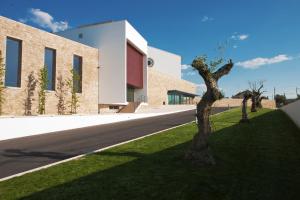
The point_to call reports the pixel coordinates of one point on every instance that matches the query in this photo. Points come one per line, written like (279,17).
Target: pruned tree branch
(225,69)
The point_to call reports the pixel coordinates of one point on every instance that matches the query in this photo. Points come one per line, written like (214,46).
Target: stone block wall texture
(238,102)
(159,84)
(293,111)
(34,42)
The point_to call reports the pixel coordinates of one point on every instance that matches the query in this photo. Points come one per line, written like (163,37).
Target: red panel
(134,67)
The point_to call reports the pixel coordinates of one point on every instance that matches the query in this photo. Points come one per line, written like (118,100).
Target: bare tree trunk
(253,105)
(244,108)
(199,152)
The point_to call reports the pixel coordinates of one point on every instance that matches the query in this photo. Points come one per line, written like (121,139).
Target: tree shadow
(41,154)
(251,164)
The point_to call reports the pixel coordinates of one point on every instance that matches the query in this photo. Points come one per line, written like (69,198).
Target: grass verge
(259,160)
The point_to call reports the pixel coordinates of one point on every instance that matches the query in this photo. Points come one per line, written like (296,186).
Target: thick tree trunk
(253,105)
(199,152)
(244,111)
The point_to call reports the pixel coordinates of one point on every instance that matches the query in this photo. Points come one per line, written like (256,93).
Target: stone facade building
(26,47)
(116,67)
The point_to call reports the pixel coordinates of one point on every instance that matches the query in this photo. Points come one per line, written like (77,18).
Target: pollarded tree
(2,86)
(256,89)
(247,95)
(199,151)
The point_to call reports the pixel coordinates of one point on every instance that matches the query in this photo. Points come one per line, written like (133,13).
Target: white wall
(110,39)
(293,111)
(165,62)
(134,38)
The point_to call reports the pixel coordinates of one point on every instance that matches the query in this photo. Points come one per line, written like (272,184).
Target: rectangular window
(50,64)
(77,67)
(13,62)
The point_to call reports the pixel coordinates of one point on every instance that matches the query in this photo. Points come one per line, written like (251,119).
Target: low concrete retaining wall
(293,111)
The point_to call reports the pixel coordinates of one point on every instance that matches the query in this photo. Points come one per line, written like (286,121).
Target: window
(77,67)
(50,64)
(13,62)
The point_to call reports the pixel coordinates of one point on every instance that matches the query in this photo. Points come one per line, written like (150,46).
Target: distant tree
(2,85)
(199,151)
(43,83)
(71,83)
(60,93)
(256,89)
(247,96)
(280,100)
(30,88)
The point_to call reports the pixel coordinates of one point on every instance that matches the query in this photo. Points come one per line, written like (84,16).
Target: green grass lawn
(259,160)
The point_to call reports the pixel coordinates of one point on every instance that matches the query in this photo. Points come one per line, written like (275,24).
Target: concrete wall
(134,38)
(34,42)
(159,84)
(165,62)
(111,39)
(293,111)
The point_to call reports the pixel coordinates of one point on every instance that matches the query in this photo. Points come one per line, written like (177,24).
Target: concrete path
(22,154)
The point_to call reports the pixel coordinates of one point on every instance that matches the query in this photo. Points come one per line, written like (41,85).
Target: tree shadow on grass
(252,163)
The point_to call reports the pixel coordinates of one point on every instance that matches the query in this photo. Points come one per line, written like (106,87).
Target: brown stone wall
(34,42)
(159,84)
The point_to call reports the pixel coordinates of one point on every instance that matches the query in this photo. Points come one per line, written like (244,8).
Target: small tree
(2,85)
(247,96)
(30,88)
(60,93)
(280,100)
(256,88)
(73,83)
(199,151)
(43,83)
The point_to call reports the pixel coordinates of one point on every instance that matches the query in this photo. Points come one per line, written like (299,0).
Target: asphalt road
(22,154)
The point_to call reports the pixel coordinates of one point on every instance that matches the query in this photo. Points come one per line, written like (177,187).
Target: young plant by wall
(2,74)
(71,83)
(30,88)
(60,93)
(43,82)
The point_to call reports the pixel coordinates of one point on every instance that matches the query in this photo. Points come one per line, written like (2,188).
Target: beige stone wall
(34,42)
(238,102)
(159,84)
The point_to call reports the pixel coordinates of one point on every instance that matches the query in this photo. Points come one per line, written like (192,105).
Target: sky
(262,37)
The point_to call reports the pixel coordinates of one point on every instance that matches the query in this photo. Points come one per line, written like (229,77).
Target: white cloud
(257,62)
(45,20)
(206,18)
(185,67)
(241,37)
(191,73)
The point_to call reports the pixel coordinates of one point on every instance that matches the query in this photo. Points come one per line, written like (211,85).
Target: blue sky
(261,36)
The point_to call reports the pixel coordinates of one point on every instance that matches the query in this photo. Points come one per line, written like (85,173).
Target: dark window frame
(79,89)
(19,74)
(53,86)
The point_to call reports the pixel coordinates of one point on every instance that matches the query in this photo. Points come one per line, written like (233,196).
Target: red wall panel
(134,67)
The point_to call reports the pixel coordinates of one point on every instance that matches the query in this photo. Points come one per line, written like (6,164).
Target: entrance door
(130,94)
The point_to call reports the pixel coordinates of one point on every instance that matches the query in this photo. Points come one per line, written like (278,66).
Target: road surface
(22,154)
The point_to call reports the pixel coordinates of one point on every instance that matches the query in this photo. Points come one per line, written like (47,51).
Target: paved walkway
(19,155)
